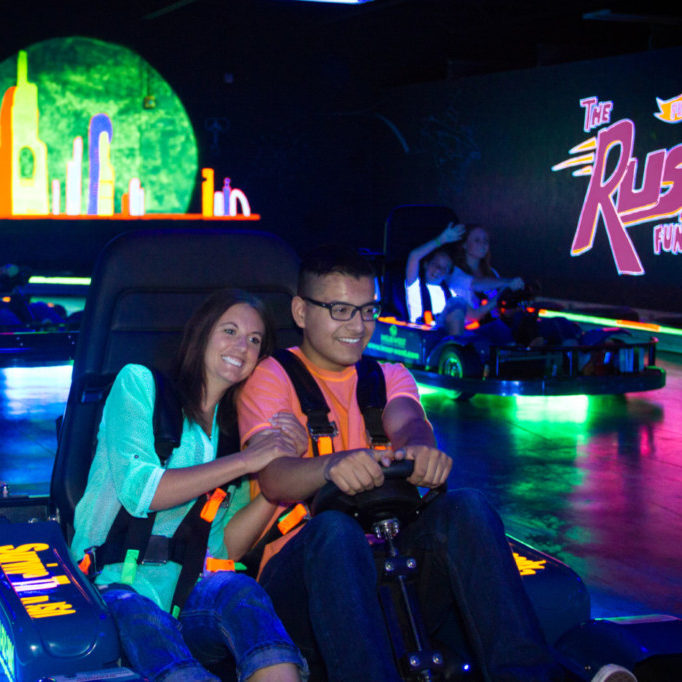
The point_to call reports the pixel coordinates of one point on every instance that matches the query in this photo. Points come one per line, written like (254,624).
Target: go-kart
(32,330)
(53,623)
(519,353)
(648,645)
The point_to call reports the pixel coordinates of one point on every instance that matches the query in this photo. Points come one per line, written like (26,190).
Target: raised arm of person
(450,234)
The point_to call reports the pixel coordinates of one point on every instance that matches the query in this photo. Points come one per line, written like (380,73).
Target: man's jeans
(323,586)
(227,615)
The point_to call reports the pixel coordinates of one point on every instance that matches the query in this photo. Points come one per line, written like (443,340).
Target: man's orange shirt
(269,391)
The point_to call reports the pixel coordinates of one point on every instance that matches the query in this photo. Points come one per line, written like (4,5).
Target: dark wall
(325,158)
(486,146)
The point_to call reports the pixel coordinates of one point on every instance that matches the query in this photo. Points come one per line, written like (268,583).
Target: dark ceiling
(383,43)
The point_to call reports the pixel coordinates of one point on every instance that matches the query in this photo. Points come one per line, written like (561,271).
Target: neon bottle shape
(207,186)
(30,194)
(99,124)
(105,192)
(6,152)
(74,178)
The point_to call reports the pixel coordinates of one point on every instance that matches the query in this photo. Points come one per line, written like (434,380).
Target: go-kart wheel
(396,498)
(458,362)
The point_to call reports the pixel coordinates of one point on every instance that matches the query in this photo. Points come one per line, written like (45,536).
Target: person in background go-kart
(428,268)
(477,287)
(227,615)
(475,284)
(321,575)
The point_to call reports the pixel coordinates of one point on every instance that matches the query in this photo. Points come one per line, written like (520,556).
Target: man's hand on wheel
(355,471)
(431,465)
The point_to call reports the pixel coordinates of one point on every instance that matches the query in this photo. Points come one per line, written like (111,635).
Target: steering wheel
(396,498)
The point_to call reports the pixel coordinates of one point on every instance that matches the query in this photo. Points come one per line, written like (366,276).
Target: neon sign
(32,581)
(87,129)
(612,194)
(670,109)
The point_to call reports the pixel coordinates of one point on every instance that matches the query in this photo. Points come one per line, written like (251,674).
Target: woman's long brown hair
(190,372)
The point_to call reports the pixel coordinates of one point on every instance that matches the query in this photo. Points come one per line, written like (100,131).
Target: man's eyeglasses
(342,312)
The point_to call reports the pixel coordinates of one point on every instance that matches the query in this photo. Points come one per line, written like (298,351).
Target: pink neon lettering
(587,104)
(669,202)
(677,248)
(599,199)
(606,111)
(668,237)
(596,112)
(648,195)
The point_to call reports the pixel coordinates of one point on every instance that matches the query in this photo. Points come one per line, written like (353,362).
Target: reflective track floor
(596,482)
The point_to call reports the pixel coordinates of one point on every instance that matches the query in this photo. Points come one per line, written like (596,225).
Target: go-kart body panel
(30,348)
(610,366)
(52,620)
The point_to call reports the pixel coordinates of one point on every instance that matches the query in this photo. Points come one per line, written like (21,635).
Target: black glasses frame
(373,309)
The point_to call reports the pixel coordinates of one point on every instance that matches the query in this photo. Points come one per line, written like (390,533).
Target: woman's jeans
(227,615)
(323,584)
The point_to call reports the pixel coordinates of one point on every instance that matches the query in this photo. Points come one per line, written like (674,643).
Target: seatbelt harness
(427,307)
(371,397)
(313,404)
(130,540)
(370,394)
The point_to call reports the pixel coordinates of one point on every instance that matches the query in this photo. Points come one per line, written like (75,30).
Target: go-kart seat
(144,287)
(405,228)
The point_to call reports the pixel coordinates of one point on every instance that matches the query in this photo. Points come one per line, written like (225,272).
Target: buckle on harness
(290,520)
(214,565)
(88,563)
(321,433)
(210,509)
(158,550)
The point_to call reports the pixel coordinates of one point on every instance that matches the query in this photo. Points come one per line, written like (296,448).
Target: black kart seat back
(407,227)
(144,287)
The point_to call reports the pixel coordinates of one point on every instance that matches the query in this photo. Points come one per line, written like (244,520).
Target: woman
(475,284)
(226,614)
(426,272)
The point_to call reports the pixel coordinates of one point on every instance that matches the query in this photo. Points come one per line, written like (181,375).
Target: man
(322,579)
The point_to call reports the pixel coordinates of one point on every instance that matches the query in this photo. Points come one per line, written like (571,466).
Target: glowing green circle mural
(151,137)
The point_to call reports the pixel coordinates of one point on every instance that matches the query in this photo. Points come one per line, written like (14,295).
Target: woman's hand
(515,284)
(266,446)
(451,233)
(287,423)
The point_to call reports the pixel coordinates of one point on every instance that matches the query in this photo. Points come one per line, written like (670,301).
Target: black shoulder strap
(371,396)
(313,404)
(167,417)
(425,297)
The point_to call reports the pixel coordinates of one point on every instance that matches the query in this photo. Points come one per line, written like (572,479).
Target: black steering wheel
(396,498)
